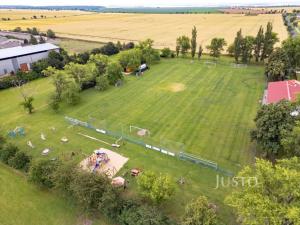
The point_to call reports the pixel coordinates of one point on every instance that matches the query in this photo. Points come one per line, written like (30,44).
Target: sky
(148,3)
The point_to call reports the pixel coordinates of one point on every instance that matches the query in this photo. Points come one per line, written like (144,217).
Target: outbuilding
(21,58)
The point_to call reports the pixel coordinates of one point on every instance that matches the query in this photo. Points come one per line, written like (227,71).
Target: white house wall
(6,65)
(28,59)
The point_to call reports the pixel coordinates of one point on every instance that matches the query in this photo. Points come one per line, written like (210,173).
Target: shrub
(89,189)
(72,94)
(64,176)
(156,187)
(8,152)
(21,161)
(41,173)
(109,49)
(102,83)
(166,53)
(54,101)
(135,214)
(50,34)
(114,73)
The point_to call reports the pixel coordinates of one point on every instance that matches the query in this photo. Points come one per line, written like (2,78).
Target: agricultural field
(76,46)
(20,14)
(210,109)
(162,28)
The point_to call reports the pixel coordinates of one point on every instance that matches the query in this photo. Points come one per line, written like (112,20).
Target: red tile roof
(280,90)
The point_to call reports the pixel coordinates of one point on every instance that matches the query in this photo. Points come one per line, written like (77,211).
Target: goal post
(138,131)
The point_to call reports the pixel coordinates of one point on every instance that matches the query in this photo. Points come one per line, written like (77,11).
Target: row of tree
(259,47)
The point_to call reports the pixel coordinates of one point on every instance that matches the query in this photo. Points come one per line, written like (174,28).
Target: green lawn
(77,46)
(23,203)
(209,109)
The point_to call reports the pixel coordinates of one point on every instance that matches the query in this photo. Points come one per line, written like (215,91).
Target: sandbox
(114,163)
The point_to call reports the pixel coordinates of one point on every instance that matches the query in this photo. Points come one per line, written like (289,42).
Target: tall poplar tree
(258,44)
(194,42)
(237,50)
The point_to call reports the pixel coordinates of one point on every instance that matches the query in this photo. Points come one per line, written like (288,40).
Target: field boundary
(181,155)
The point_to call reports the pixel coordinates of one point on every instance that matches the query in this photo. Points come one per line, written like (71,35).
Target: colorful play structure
(18,131)
(98,159)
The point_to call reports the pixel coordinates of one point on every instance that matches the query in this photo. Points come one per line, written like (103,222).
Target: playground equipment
(29,143)
(46,151)
(64,140)
(18,131)
(43,137)
(98,159)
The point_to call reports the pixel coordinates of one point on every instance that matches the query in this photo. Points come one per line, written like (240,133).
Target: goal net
(138,131)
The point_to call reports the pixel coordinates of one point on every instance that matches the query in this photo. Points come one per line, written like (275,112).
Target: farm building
(21,58)
(280,90)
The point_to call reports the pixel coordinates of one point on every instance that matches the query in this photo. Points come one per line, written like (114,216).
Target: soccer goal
(210,63)
(239,65)
(141,132)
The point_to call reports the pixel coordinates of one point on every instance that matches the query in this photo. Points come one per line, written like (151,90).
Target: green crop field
(209,109)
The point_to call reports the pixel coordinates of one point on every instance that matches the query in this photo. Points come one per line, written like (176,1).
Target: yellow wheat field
(162,28)
(19,14)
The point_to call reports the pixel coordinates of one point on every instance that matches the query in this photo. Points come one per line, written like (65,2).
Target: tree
(33,40)
(149,55)
(200,51)
(269,41)
(114,73)
(278,65)
(158,188)
(216,46)
(102,83)
(177,47)
(41,40)
(258,43)
(135,214)
(274,199)
(292,49)
(58,79)
(101,62)
(71,93)
(131,59)
(273,122)
(237,45)
(80,74)
(50,33)
(20,161)
(184,43)
(56,60)
(89,189)
(247,48)
(194,42)
(291,143)
(28,104)
(200,212)
(54,102)
(109,49)
(166,52)
(7,152)
(41,173)
(40,66)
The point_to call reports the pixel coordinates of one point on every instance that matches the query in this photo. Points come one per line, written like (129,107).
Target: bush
(102,83)
(109,49)
(114,73)
(8,151)
(166,53)
(64,176)
(21,161)
(42,172)
(54,101)
(158,188)
(135,214)
(50,34)
(89,189)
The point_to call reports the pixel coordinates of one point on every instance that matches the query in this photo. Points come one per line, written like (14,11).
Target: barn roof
(280,90)
(27,50)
